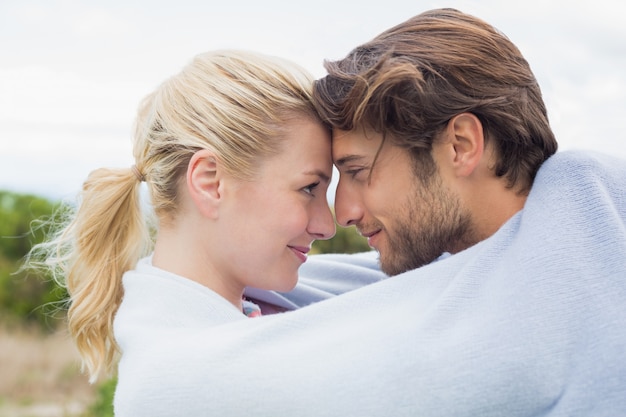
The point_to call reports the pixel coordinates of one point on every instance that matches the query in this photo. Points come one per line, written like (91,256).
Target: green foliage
(103,405)
(24,295)
(346,240)
(17,212)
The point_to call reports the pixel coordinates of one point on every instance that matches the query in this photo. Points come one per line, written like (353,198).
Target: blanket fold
(530,322)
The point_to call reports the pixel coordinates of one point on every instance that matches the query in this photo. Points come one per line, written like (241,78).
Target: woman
(237,165)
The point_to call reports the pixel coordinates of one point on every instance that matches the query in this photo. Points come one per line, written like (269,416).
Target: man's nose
(348,206)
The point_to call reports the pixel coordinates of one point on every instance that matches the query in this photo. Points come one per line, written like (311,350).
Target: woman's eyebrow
(317,172)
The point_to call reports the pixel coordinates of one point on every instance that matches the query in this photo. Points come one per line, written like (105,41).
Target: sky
(73,72)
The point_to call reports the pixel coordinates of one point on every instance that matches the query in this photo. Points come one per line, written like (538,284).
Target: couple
(508,258)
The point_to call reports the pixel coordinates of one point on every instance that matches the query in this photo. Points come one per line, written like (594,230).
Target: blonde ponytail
(105,236)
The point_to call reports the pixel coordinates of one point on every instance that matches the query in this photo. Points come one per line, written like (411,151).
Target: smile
(300,252)
(371,237)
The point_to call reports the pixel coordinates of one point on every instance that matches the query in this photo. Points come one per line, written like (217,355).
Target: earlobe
(468,142)
(204,182)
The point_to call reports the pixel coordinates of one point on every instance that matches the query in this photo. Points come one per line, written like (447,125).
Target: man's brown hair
(409,81)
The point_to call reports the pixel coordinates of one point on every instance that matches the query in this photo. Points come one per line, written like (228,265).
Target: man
(509,259)
(439,130)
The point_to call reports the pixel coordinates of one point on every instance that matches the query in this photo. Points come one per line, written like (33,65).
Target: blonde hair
(232,102)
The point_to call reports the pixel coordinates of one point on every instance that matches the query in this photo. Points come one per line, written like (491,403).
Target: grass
(41,375)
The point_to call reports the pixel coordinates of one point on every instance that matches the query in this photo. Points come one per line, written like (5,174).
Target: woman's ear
(468,143)
(204,182)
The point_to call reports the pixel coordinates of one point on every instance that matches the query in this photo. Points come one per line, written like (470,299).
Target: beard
(431,222)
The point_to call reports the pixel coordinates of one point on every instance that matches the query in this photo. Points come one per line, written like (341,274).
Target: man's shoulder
(575,160)
(576,169)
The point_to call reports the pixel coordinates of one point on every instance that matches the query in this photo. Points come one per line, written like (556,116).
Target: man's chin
(389,267)
(396,266)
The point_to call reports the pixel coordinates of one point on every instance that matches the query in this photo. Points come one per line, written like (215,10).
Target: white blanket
(530,322)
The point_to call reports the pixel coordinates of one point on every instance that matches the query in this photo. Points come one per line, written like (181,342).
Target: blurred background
(72,73)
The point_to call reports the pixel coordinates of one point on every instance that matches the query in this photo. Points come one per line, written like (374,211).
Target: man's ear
(204,182)
(468,143)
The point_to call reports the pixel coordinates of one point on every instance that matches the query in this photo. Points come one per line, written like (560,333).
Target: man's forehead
(353,144)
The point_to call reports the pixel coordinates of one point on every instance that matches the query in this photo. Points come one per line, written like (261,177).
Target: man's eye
(354,172)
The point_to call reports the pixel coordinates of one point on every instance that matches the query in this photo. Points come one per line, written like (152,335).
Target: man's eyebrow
(347,159)
(324,176)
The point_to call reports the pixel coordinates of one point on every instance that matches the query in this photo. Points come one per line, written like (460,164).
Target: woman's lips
(300,252)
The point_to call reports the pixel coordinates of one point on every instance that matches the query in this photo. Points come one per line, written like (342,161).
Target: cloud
(73,72)
(38,94)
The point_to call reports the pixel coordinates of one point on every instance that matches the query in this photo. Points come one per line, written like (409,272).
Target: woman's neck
(179,254)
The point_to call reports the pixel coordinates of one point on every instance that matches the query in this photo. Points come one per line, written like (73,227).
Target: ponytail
(104,236)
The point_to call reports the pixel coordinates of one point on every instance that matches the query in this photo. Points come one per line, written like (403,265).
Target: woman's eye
(310,188)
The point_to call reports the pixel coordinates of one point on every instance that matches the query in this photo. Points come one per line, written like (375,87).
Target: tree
(25,295)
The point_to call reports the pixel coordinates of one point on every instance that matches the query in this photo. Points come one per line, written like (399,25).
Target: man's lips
(300,251)
(371,236)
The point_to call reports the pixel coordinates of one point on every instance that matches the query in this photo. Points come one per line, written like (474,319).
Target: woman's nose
(322,224)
